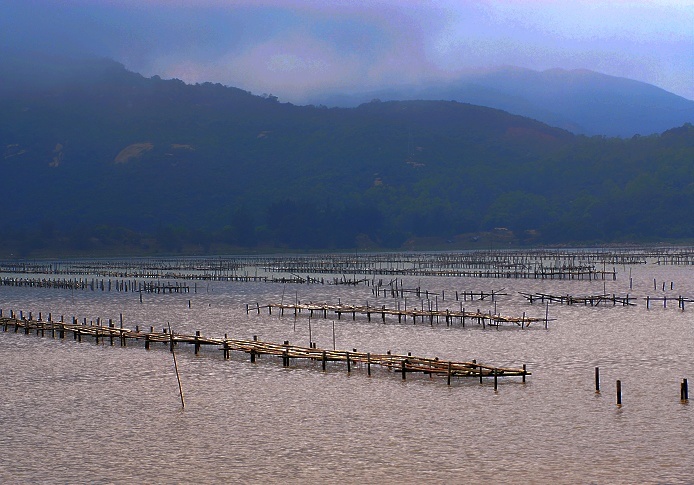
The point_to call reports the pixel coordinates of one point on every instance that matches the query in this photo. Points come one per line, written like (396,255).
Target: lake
(80,412)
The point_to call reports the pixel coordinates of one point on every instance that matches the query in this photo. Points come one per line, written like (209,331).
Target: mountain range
(581,101)
(97,158)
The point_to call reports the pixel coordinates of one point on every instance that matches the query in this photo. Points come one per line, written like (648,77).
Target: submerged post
(597,379)
(619,392)
(226,347)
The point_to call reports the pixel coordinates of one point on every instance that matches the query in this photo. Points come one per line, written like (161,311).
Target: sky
(297,48)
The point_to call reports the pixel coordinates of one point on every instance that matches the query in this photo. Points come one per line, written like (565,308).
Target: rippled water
(80,412)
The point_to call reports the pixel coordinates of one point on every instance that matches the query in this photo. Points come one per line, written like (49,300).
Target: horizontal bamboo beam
(404,363)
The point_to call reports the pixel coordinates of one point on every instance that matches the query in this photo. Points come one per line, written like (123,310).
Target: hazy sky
(292,47)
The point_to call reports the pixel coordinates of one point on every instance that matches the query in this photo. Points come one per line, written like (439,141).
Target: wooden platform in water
(403,364)
(424,315)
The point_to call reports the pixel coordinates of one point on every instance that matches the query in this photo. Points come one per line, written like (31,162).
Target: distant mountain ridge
(581,101)
(95,157)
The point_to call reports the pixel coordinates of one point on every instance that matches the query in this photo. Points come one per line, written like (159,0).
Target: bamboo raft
(402,364)
(430,314)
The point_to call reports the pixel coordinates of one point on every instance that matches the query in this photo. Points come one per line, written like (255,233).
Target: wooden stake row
(593,300)
(424,315)
(684,388)
(402,364)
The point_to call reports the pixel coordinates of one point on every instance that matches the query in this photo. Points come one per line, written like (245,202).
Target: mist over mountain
(581,101)
(97,158)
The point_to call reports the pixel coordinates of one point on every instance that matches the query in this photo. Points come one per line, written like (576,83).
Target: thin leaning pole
(178,377)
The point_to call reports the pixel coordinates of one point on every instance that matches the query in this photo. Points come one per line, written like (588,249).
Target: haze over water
(80,412)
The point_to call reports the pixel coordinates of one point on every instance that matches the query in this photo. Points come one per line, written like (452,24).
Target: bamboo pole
(178,377)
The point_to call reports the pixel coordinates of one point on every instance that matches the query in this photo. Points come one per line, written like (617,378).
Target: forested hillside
(102,159)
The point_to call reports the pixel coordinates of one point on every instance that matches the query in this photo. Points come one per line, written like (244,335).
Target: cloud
(318,52)
(647,41)
(291,65)
(294,47)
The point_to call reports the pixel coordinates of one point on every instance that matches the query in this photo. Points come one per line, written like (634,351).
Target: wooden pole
(597,379)
(684,390)
(226,352)
(197,342)
(178,377)
(619,393)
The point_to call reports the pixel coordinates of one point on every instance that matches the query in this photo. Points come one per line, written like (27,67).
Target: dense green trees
(223,169)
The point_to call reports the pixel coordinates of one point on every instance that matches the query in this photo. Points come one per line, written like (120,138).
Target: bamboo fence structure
(401,364)
(430,315)
(593,300)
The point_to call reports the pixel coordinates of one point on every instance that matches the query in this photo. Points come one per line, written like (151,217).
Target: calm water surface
(77,412)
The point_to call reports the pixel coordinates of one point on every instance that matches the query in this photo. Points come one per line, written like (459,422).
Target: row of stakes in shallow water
(403,364)
(431,314)
(256,348)
(604,299)
(684,388)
